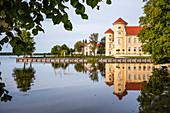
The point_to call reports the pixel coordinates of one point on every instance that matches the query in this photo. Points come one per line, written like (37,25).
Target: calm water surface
(72,88)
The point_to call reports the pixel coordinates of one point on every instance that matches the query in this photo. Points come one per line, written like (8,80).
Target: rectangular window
(139,41)
(148,76)
(135,40)
(139,68)
(119,75)
(148,68)
(110,69)
(134,49)
(110,39)
(119,33)
(134,67)
(129,67)
(129,49)
(135,77)
(129,40)
(110,45)
(139,76)
(129,76)
(143,76)
(119,41)
(110,52)
(139,49)
(144,67)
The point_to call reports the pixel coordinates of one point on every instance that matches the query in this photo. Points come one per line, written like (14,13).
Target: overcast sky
(99,21)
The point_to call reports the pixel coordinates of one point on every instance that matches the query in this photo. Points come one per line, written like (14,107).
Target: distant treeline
(6,53)
(10,53)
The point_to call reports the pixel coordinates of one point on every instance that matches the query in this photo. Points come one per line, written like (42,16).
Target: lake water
(72,88)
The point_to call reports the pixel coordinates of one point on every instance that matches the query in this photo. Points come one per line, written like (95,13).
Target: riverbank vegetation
(155,94)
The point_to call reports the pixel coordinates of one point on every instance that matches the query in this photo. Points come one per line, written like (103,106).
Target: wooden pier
(85,60)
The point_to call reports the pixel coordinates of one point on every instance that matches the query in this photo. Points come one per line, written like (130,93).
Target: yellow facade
(122,74)
(122,41)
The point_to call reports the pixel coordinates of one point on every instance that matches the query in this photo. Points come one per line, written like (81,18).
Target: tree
(3,92)
(29,14)
(64,52)
(101,47)
(24,77)
(78,46)
(155,34)
(64,47)
(29,48)
(56,50)
(93,41)
(154,87)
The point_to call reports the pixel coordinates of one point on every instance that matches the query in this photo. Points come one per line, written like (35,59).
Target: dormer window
(119,27)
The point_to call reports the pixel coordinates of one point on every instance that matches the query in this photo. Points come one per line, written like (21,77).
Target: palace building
(123,40)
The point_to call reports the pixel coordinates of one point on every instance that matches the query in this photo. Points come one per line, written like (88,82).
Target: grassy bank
(78,56)
(135,56)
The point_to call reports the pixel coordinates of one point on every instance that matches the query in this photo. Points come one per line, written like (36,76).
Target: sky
(98,21)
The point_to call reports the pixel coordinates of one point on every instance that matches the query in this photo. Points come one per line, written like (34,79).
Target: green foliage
(155,34)
(29,14)
(3,92)
(56,50)
(118,50)
(64,52)
(79,67)
(24,78)
(64,47)
(60,65)
(78,46)
(29,46)
(101,47)
(155,86)
(92,60)
(93,41)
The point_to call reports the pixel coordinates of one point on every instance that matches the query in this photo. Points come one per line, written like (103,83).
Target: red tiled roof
(85,44)
(133,30)
(98,44)
(120,20)
(120,96)
(109,31)
(109,84)
(133,86)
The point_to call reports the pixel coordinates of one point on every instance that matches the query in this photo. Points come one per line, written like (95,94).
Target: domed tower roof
(120,95)
(120,20)
(109,31)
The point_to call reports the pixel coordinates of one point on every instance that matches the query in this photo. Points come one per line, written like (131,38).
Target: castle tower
(109,42)
(119,35)
(120,81)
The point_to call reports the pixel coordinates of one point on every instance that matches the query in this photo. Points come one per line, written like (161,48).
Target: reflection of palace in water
(126,77)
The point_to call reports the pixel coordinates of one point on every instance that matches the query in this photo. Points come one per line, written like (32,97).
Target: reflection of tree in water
(93,72)
(154,87)
(79,67)
(3,92)
(101,67)
(60,65)
(24,77)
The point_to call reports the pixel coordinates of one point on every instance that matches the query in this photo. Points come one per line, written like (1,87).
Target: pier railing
(85,60)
